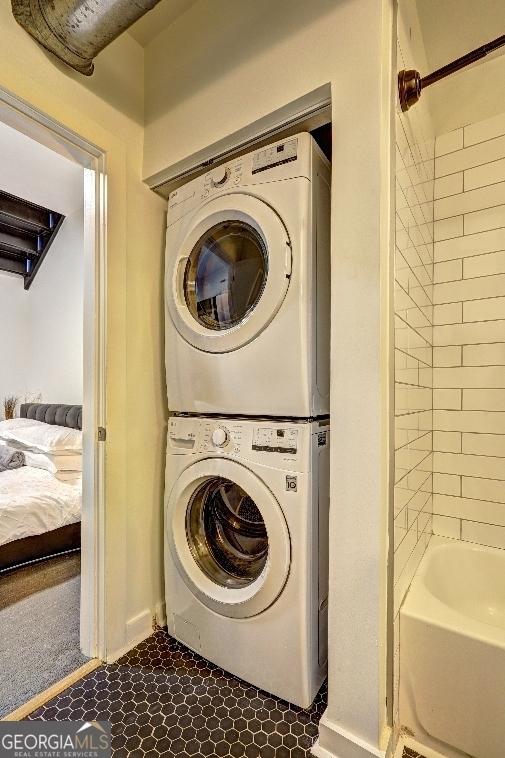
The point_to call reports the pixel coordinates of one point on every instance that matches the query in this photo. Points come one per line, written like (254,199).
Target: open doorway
(51,403)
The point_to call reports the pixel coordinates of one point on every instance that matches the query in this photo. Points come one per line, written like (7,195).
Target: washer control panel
(277,440)
(235,437)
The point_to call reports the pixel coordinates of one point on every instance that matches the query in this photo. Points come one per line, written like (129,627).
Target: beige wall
(107,110)
(469,334)
(470,95)
(219,67)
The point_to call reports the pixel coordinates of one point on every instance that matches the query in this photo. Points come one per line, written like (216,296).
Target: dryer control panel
(275,155)
(289,158)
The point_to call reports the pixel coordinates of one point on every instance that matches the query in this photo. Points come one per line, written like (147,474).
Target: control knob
(220,437)
(219,176)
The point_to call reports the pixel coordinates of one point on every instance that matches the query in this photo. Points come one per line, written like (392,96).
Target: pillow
(54,463)
(17,423)
(68,463)
(72,478)
(46,438)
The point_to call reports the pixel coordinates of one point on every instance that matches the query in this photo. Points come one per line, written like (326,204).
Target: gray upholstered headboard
(61,415)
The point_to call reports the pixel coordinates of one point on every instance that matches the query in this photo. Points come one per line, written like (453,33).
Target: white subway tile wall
(413,307)
(415,156)
(469,334)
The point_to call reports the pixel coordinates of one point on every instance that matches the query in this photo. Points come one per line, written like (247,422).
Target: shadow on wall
(157,316)
(147,399)
(108,82)
(462,99)
(224,34)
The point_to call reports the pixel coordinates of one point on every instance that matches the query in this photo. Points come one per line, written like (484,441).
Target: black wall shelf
(27,231)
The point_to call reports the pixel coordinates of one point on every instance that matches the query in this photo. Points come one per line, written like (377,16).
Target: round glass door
(228,537)
(225,275)
(226,533)
(228,271)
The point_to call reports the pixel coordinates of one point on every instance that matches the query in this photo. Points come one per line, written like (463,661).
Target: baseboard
(418,747)
(138,629)
(335,742)
(140,626)
(319,751)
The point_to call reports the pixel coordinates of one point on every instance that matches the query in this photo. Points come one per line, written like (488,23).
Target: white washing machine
(248,286)
(246,548)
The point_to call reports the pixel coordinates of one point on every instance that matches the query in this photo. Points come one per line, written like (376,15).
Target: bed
(39,515)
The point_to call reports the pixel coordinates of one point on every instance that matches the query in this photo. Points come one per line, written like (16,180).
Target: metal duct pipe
(77,30)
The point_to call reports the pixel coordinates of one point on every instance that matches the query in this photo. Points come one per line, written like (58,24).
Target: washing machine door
(228,537)
(230,274)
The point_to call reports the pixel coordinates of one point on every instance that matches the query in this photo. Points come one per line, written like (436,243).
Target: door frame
(24,118)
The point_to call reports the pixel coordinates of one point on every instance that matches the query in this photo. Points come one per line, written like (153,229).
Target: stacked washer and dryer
(247,362)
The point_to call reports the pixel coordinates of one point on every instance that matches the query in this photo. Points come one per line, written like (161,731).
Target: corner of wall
(335,742)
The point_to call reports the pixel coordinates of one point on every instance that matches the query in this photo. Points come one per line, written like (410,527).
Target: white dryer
(246,548)
(248,286)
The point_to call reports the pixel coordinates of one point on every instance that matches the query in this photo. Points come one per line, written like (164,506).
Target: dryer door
(230,275)
(228,537)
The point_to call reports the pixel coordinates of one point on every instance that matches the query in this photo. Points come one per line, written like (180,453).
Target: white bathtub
(452,650)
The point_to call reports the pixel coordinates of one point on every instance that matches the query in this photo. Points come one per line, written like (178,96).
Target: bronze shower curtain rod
(411,84)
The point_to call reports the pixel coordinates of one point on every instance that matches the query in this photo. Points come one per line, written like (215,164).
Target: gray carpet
(39,628)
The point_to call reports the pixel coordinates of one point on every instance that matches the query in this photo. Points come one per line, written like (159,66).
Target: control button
(220,176)
(220,437)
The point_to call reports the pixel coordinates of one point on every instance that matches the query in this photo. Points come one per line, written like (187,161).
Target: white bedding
(33,501)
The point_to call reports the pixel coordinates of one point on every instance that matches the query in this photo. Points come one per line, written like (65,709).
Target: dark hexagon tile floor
(164,700)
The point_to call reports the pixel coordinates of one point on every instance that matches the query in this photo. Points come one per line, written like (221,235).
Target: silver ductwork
(77,30)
